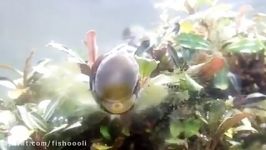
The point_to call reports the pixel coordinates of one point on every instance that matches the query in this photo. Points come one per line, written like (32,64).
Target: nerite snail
(114,77)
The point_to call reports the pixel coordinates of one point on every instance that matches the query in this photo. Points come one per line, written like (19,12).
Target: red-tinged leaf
(90,41)
(212,67)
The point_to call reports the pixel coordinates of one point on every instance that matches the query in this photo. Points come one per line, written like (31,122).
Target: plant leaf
(217,109)
(99,146)
(7,83)
(32,120)
(221,80)
(105,132)
(192,41)
(57,129)
(246,126)
(176,127)
(230,122)
(191,84)
(176,141)
(8,67)
(186,27)
(74,125)
(146,66)
(68,51)
(191,127)
(38,121)
(50,109)
(27,68)
(245,45)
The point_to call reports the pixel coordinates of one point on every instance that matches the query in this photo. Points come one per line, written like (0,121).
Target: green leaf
(245,45)
(193,41)
(176,127)
(191,127)
(146,66)
(221,80)
(191,84)
(105,132)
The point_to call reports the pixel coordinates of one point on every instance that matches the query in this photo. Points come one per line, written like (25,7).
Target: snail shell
(114,81)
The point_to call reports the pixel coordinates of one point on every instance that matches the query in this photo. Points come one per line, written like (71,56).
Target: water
(31,24)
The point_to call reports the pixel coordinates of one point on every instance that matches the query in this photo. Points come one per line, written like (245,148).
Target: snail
(114,76)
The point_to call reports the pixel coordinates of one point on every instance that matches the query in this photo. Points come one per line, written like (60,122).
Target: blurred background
(31,24)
